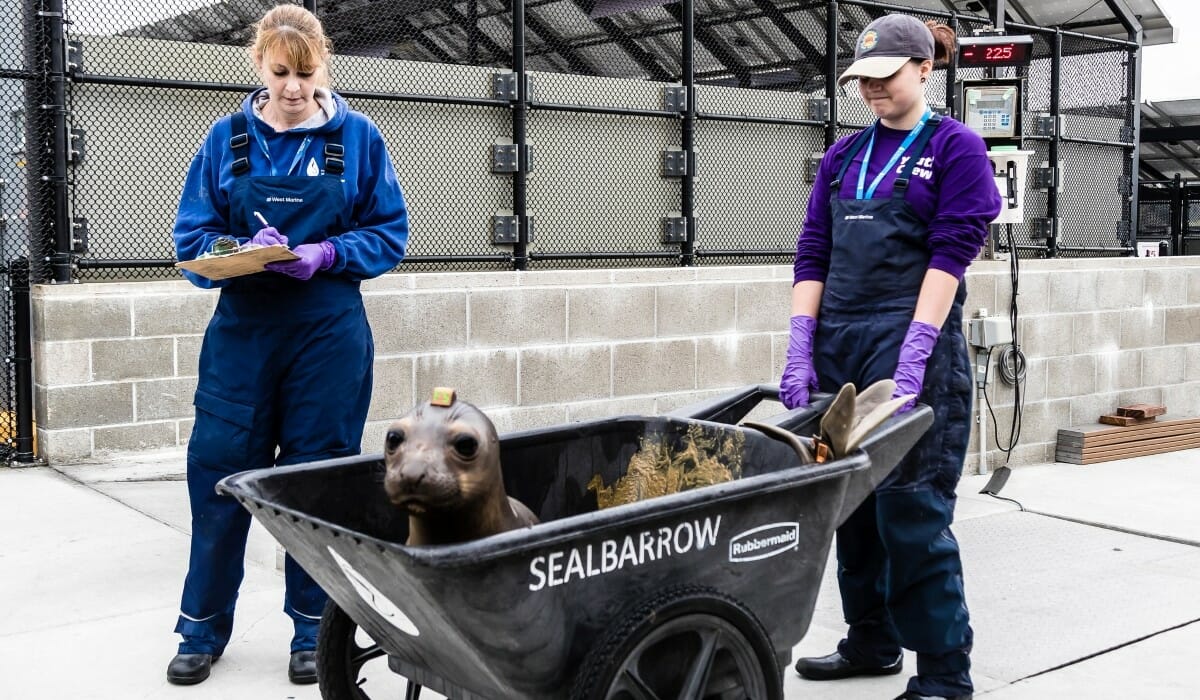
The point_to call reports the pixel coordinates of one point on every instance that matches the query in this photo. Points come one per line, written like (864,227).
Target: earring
(922,79)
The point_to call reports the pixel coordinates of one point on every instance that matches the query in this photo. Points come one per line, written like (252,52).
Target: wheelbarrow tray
(514,615)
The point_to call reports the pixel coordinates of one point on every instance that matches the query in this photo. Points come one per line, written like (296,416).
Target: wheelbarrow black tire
(675,638)
(339,656)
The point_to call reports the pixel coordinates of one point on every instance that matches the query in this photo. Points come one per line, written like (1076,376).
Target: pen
(260,217)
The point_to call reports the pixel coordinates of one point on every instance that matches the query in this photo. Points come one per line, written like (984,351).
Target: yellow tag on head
(442,396)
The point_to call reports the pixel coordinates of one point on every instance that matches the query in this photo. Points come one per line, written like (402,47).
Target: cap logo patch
(869,39)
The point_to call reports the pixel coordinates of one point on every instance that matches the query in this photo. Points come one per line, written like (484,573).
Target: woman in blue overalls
(898,212)
(286,365)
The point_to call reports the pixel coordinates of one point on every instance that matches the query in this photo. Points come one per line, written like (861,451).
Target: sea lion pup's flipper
(839,419)
(875,405)
(787,437)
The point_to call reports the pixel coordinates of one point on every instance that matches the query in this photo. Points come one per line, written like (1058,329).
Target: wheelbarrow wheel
(691,643)
(341,656)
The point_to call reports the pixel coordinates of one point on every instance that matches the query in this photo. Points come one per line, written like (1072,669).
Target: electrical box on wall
(989,332)
(1010,168)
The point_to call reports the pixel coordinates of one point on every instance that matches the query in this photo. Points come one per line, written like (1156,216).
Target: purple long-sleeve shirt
(952,190)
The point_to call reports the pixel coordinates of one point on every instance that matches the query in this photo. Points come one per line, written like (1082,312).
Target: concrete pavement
(1085,590)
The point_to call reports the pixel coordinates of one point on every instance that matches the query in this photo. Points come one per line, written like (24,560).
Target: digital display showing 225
(1005,54)
(995,53)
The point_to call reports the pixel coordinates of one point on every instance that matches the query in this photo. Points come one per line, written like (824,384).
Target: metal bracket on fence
(675,98)
(1126,133)
(1047,125)
(818,109)
(75,151)
(1044,178)
(504,86)
(79,235)
(504,158)
(505,229)
(674,228)
(674,163)
(812,166)
(940,109)
(1041,229)
(74,57)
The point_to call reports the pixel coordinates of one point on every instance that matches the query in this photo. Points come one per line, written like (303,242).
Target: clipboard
(243,262)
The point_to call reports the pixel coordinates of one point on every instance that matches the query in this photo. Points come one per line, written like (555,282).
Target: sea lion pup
(443,467)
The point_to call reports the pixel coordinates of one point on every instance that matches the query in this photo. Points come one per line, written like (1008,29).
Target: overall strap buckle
(239,143)
(335,154)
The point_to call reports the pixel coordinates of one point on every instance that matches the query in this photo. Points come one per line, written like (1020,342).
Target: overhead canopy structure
(778,44)
(1170,140)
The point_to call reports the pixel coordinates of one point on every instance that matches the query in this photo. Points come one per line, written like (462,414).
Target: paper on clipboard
(243,262)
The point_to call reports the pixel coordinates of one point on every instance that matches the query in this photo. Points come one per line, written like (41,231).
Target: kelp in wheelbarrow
(678,556)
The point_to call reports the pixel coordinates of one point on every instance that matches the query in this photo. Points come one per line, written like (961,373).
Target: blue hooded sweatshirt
(378,235)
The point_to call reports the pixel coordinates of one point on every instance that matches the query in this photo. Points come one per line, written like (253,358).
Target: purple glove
(268,236)
(313,257)
(914,353)
(799,377)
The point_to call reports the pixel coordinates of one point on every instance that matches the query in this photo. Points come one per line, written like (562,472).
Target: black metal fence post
(22,359)
(60,259)
(1178,215)
(831,71)
(1133,119)
(520,115)
(1055,143)
(688,186)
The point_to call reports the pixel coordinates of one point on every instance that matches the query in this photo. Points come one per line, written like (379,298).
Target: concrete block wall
(115,364)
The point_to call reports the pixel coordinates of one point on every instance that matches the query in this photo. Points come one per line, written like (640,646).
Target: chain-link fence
(1169,216)
(528,134)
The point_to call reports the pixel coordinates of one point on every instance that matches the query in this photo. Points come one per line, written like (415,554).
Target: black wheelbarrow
(701,593)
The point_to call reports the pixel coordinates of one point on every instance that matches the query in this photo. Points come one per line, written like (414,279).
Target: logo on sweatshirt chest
(313,169)
(923,169)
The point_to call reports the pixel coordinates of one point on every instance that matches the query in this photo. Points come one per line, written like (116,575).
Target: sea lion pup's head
(443,456)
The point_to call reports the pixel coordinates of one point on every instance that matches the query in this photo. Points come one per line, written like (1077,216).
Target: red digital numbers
(999,53)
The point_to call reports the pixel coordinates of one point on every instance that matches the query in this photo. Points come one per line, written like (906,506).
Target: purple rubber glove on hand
(914,353)
(313,257)
(268,236)
(799,377)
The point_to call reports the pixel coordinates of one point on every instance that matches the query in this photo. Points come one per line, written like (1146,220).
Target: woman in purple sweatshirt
(897,214)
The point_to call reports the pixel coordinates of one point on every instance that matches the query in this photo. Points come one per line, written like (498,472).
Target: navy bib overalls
(898,563)
(285,377)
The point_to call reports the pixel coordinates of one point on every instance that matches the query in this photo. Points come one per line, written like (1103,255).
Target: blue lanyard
(262,145)
(908,141)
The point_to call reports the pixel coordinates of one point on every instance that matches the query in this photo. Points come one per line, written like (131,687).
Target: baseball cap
(886,45)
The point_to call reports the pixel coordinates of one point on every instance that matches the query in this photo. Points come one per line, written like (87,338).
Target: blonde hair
(295,35)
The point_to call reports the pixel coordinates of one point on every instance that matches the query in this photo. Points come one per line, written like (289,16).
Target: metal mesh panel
(1091,205)
(753,59)
(757,193)
(1094,99)
(603,193)
(128,183)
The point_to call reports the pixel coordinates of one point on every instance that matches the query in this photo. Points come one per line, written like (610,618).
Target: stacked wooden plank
(1131,431)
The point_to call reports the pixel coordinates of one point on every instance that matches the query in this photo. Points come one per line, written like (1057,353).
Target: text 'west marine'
(563,566)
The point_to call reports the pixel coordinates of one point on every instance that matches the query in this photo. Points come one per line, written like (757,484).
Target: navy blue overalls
(898,563)
(285,364)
